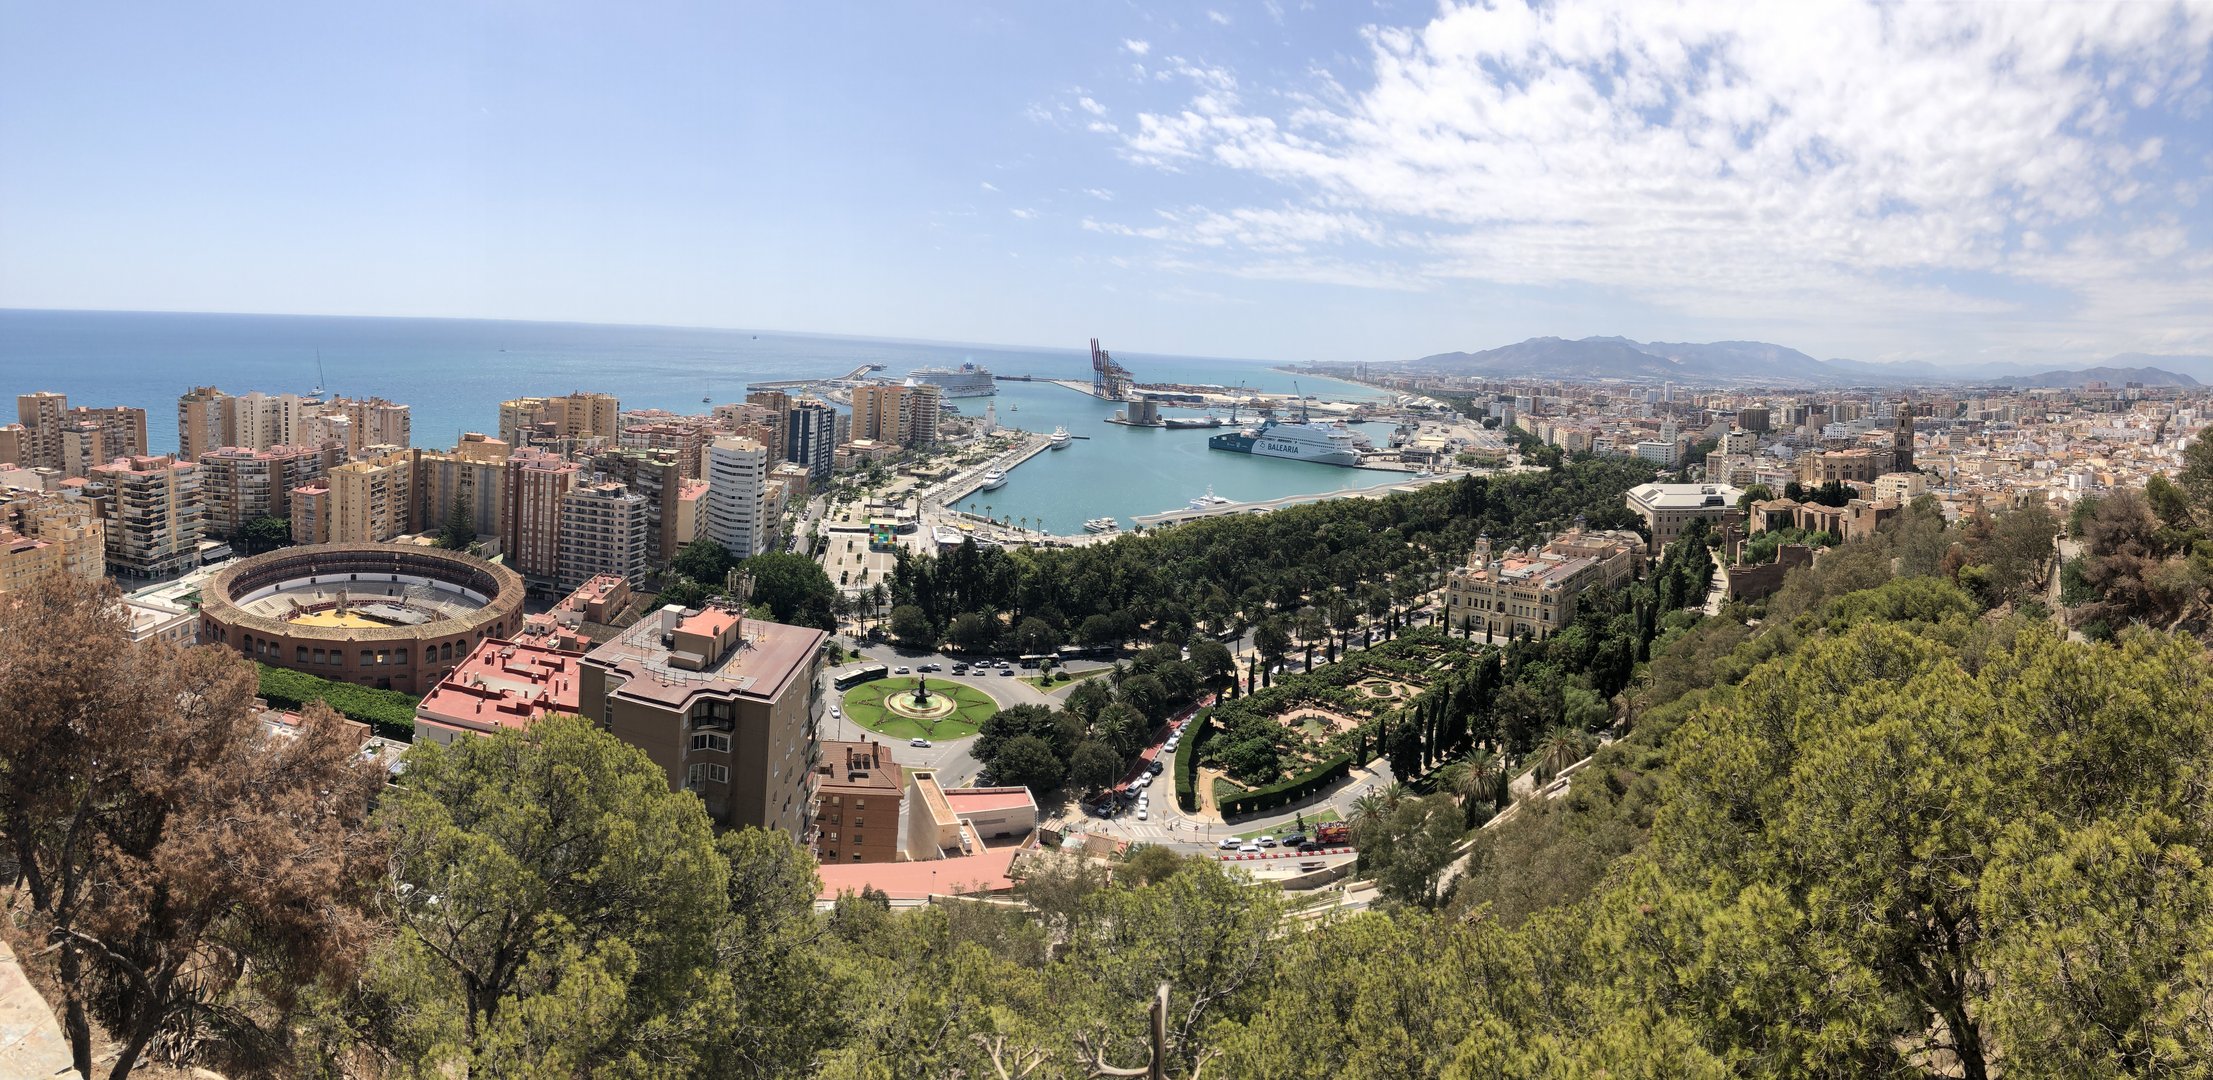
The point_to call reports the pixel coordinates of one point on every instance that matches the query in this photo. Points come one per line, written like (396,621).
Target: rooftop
(504,684)
(1684,496)
(768,658)
(850,765)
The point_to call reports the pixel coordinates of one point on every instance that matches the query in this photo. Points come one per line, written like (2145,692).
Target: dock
(1178,517)
(968,483)
(853,376)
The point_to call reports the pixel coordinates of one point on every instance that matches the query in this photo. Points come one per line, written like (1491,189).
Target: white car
(1142,781)
(834,713)
(1249,849)
(1229,843)
(1141,813)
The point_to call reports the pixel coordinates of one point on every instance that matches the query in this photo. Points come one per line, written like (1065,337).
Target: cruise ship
(1329,444)
(968,380)
(993,480)
(1061,438)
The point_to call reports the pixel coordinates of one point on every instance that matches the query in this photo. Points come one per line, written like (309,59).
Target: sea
(453,373)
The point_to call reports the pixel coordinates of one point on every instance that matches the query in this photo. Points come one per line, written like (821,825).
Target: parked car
(1141,781)
(1267,841)
(1155,767)
(1171,744)
(1229,843)
(1249,848)
(1141,813)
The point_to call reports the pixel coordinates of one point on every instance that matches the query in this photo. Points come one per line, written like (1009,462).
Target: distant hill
(2116,376)
(1759,362)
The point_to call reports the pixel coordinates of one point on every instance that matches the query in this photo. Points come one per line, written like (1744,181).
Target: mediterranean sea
(453,373)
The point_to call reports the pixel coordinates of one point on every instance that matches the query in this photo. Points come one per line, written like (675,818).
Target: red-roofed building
(502,684)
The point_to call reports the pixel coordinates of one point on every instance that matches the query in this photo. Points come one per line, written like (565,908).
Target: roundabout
(909,708)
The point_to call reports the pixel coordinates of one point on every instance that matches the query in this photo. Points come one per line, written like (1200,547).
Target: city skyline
(2002,183)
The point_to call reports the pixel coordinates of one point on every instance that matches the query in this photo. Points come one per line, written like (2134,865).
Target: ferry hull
(1240,443)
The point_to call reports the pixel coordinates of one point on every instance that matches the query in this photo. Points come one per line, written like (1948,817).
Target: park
(919,708)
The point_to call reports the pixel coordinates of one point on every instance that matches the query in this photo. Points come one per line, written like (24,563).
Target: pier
(853,376)
(1178,517)
(968,483)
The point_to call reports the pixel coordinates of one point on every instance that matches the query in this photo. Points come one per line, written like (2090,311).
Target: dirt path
(1204,779)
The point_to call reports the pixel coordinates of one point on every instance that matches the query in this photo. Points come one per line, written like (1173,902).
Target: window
(319,656)
(300,654)
(860,804)
(713,774)
(708,741)
(367,657)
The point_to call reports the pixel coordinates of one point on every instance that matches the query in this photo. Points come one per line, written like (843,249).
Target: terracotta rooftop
(503,684)
(771,655)
(985,871)
(849,765)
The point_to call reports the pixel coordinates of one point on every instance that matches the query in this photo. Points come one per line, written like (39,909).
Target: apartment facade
(536,482)
(737,495)
(604,531)
(811,438)
(472,475)
(533,421)
(372,501)
(726,706)
(656,477)
(155,517)
(240,485)
(203,415)
(858,795)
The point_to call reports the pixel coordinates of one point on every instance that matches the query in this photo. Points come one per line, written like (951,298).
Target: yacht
(1061,438)
(994,479)
(1209,500)
(1102,525)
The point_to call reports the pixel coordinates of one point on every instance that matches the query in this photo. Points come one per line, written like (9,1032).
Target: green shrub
(1288,791)
(389,712)
(1187,760)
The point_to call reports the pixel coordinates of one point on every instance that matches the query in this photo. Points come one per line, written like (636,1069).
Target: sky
(1956,182)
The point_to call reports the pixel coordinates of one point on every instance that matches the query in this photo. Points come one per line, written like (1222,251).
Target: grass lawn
(865,704)
(1312,816)
(1061,679)
(1226,789)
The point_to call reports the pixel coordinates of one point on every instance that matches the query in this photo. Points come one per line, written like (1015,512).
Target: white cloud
(1101,194)
(1730,160)
(1023,212)
(1092,107)
(989,186)
(1136,46)
(1217,18)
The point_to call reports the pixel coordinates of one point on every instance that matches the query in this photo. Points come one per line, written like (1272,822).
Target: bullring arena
(395,618)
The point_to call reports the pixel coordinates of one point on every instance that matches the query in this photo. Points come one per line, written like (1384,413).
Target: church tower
(1901,439)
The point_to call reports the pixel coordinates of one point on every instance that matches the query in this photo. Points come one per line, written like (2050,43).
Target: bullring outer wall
(410,659)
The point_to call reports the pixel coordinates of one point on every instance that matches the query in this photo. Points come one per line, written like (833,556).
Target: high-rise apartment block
(203,422)
(239,485)
(726,706)
(903,414)
(41,415)
(372,501)
(686,436)
(536,481)
(155,514)
(737,495)
(655,476)
(54,436)
(472,476)
(45,537)
(311,512)
(604,530)
(532,421)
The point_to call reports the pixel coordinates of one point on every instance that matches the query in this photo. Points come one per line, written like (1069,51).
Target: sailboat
(318,391)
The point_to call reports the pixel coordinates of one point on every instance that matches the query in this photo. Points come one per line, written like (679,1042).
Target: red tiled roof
(985,871)
(504,684)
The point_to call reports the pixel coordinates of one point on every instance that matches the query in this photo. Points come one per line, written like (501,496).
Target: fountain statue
(921,693)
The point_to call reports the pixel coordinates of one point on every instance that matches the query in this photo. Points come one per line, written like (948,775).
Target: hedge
(1187,761)
(389,712)
(1289,791)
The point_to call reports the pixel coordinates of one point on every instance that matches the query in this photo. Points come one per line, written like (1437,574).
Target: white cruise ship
(968,380)
(993,480)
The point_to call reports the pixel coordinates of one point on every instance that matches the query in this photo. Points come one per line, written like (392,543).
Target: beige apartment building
(311,513)
(604,531)
(724,705)
(656,477)
(534,420)
(473,474)
(203,422)
(371,501)
(155,515)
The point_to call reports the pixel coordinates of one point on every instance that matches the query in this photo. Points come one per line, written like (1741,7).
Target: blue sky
(1957,182)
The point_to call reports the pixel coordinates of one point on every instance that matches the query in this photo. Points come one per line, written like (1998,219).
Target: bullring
(381,615)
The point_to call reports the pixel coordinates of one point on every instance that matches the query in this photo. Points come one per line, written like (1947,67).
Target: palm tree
(1396,794)
(1368,807)
(1561,748)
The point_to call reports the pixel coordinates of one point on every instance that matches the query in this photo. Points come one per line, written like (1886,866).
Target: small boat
(1209,500)
(994,480)
(1102,525)
(1061,438)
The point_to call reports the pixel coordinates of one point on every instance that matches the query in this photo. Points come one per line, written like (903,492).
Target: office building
(737,495)
(811,437)
(726,706)
(1501,594)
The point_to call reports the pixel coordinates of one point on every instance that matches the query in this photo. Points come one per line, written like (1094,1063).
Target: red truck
(1333,833)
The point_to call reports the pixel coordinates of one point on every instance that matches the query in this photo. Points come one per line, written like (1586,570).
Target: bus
(853,677)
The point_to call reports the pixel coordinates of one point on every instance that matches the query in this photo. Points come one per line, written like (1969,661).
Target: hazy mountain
(1765,363)
(2115,376)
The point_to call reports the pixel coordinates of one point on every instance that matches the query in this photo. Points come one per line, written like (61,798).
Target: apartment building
(155,515)
(203,422)
(500,685)
(372,501)
(473,475)
(855,783)
(811,437)
(533,421)
(311,512)
(604,531)
(726,706)
(74,526)
(655,476)
(737,495)
(42,415)
(239,485)
(536,482)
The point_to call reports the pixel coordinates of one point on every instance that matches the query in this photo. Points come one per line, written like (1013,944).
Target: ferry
(1061,438)
(1329,444)
(967,380)
(994,479)
(1102,525)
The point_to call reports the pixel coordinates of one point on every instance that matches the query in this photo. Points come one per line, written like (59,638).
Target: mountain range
(1760,362)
